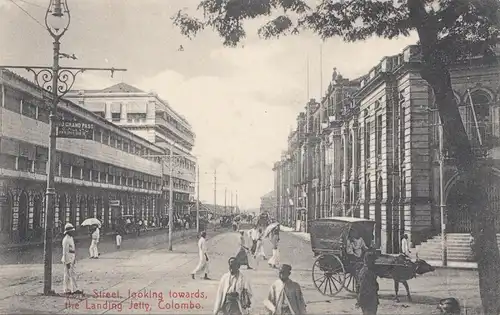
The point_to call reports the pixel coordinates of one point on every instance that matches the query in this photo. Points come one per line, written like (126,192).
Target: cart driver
(355,246)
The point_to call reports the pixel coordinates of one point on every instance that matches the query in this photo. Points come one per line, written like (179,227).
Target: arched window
(478,120)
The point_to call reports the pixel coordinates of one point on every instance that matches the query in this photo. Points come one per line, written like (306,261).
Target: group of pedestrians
(234,293)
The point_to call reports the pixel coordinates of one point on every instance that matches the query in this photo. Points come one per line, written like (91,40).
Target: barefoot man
(285,296)
(203,263)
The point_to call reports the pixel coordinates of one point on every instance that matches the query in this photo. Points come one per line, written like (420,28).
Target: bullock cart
(332,269)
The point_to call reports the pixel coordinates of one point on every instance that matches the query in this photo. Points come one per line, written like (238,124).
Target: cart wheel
(351,283)
(328,275)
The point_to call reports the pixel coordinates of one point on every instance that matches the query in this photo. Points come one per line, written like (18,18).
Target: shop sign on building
(75,130)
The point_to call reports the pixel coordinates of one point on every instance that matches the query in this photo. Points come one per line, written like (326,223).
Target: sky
(241,102)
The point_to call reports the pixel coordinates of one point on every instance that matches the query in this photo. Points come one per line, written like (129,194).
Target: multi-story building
(148,116)
(371,148)
(105,176)
(268,202)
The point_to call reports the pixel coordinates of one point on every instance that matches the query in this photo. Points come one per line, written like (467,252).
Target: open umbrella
(270,227)
(91,221)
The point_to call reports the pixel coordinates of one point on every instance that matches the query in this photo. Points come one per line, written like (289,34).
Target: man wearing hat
(68,260)
(285,296)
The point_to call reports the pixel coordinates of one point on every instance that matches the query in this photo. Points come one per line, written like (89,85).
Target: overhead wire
(28,14)
(33,4)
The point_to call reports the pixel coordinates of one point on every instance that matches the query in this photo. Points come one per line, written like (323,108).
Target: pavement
(155,280)
(435,263)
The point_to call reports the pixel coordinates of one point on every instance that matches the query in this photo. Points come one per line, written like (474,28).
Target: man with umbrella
(94,224)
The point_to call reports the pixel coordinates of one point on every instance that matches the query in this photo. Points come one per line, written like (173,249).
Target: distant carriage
(332,269)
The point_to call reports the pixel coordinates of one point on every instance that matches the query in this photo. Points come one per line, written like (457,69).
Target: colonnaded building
(153,119)
(371,149)
(114,173)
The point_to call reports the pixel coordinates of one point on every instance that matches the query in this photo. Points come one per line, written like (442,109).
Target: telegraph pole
(231,207)
(236,206)
(225,200)
(198,197)
(58,81)
(215,190)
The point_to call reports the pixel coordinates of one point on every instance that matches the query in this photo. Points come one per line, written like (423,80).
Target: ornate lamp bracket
(44,78)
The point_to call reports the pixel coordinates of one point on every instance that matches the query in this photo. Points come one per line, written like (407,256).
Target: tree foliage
(462,27)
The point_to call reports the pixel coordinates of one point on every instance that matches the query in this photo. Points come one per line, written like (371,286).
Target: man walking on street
(120,231)
(68,260)
(285,296)
(203,262)
(94,252)
(254,235)
(368,286)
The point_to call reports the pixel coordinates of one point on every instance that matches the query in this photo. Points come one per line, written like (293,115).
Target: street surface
(137,280)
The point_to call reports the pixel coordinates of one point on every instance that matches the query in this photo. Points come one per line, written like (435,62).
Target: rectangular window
(112,141)
(97,135)
(136,117)
(77,172)
(105,137)
(367,141)
(29,110)
(43,114)
(12,101)
(125,146)
(65,170)
(379,135)
(8,161)
(115,117)
(24,164)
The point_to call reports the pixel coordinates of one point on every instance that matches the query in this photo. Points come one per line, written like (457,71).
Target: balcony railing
(162,121)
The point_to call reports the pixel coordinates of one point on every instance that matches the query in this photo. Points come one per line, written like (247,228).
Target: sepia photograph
(250,157)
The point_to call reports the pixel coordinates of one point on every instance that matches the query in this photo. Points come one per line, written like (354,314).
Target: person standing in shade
(234,295)
(120,231)
(405,246)
(285,296)
(242,256)
(203,262)
(368,286)
(94,252)
(68,260)
(275,238)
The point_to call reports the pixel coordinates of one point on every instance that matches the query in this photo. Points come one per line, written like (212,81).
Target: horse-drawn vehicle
(333,270)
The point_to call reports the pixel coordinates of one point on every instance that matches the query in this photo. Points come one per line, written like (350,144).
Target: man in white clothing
(405,246)
(254,235)
(203,262)
(355,246)
(285,296)
(94,252)
(68,260)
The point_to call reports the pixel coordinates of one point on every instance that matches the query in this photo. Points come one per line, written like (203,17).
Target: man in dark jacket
(368,286)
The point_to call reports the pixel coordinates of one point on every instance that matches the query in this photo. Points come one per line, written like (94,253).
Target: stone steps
(458,248)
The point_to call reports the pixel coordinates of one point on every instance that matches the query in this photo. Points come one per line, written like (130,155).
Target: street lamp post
(58,81)
(442,206)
